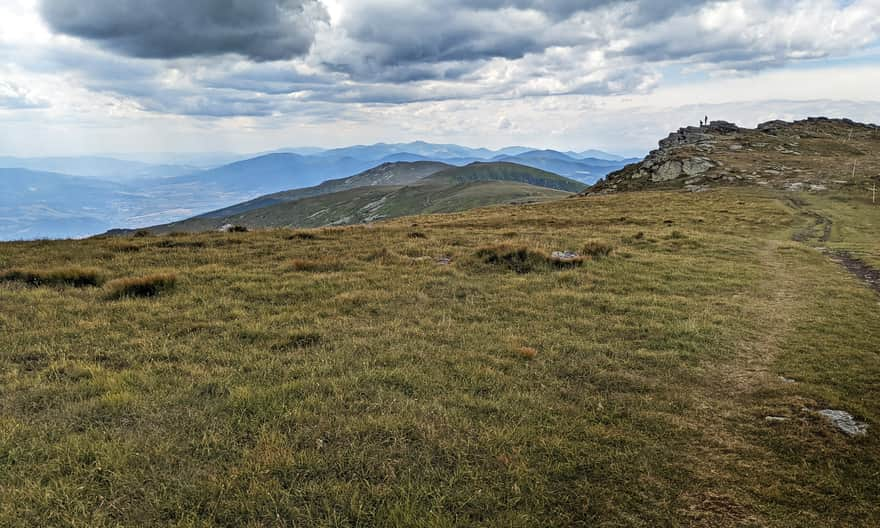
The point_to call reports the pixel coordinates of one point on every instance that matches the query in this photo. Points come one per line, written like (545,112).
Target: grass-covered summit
(390,191)
(511,172)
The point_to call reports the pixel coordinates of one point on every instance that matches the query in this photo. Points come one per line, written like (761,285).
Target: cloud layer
(258,57)
(265,62)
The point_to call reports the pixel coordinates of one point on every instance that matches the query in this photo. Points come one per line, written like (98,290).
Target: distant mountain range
(388,191)
(79,196)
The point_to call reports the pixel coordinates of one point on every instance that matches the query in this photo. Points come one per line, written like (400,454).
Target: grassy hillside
(504,171)
(389,191)
(368,204)
(401,173)
(356,377)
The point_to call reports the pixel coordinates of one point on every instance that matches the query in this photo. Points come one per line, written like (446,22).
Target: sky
(123,76)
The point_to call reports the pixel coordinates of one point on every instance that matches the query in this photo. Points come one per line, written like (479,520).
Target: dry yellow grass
(148,286)
(392,392)
(528,352)
(324,264)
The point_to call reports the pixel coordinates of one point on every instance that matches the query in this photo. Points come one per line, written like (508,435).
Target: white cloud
(565,73)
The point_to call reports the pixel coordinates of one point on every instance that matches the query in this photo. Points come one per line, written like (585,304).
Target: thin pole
(854,170)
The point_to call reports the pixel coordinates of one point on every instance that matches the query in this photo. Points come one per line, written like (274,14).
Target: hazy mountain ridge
(154,189)
(101,168)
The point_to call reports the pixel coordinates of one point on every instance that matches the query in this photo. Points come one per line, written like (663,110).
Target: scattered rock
(775,419)
(444,261)
(735,147)
(845,422)
(773,127)
(783,379)
(565,255)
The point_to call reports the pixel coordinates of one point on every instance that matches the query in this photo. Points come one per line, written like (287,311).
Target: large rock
(697,166)
(685,136)
(721,127)
(668,171)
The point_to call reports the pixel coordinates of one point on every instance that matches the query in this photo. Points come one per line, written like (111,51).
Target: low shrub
(301,235)
(387,257)
(299,341)
(72,276)
(417,234)
(518,259)
(126,248)
(236,229)
(149,286)
(179,244)
(141,233)
(598,248)
(566,262)
(324,264)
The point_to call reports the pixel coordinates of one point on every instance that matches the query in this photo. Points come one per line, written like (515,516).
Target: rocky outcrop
(774,154)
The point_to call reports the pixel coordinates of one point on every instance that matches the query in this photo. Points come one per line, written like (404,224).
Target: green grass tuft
(600,248)
(301,235)
(316,265)
(149,286)
(72,276)
(514,258)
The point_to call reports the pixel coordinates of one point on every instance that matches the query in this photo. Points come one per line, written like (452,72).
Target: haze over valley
(83,196)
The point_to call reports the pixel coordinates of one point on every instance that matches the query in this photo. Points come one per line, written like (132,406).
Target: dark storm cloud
(261,30)
(385,41)
(466,30)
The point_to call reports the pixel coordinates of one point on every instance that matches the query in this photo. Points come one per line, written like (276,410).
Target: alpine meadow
(250,275)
